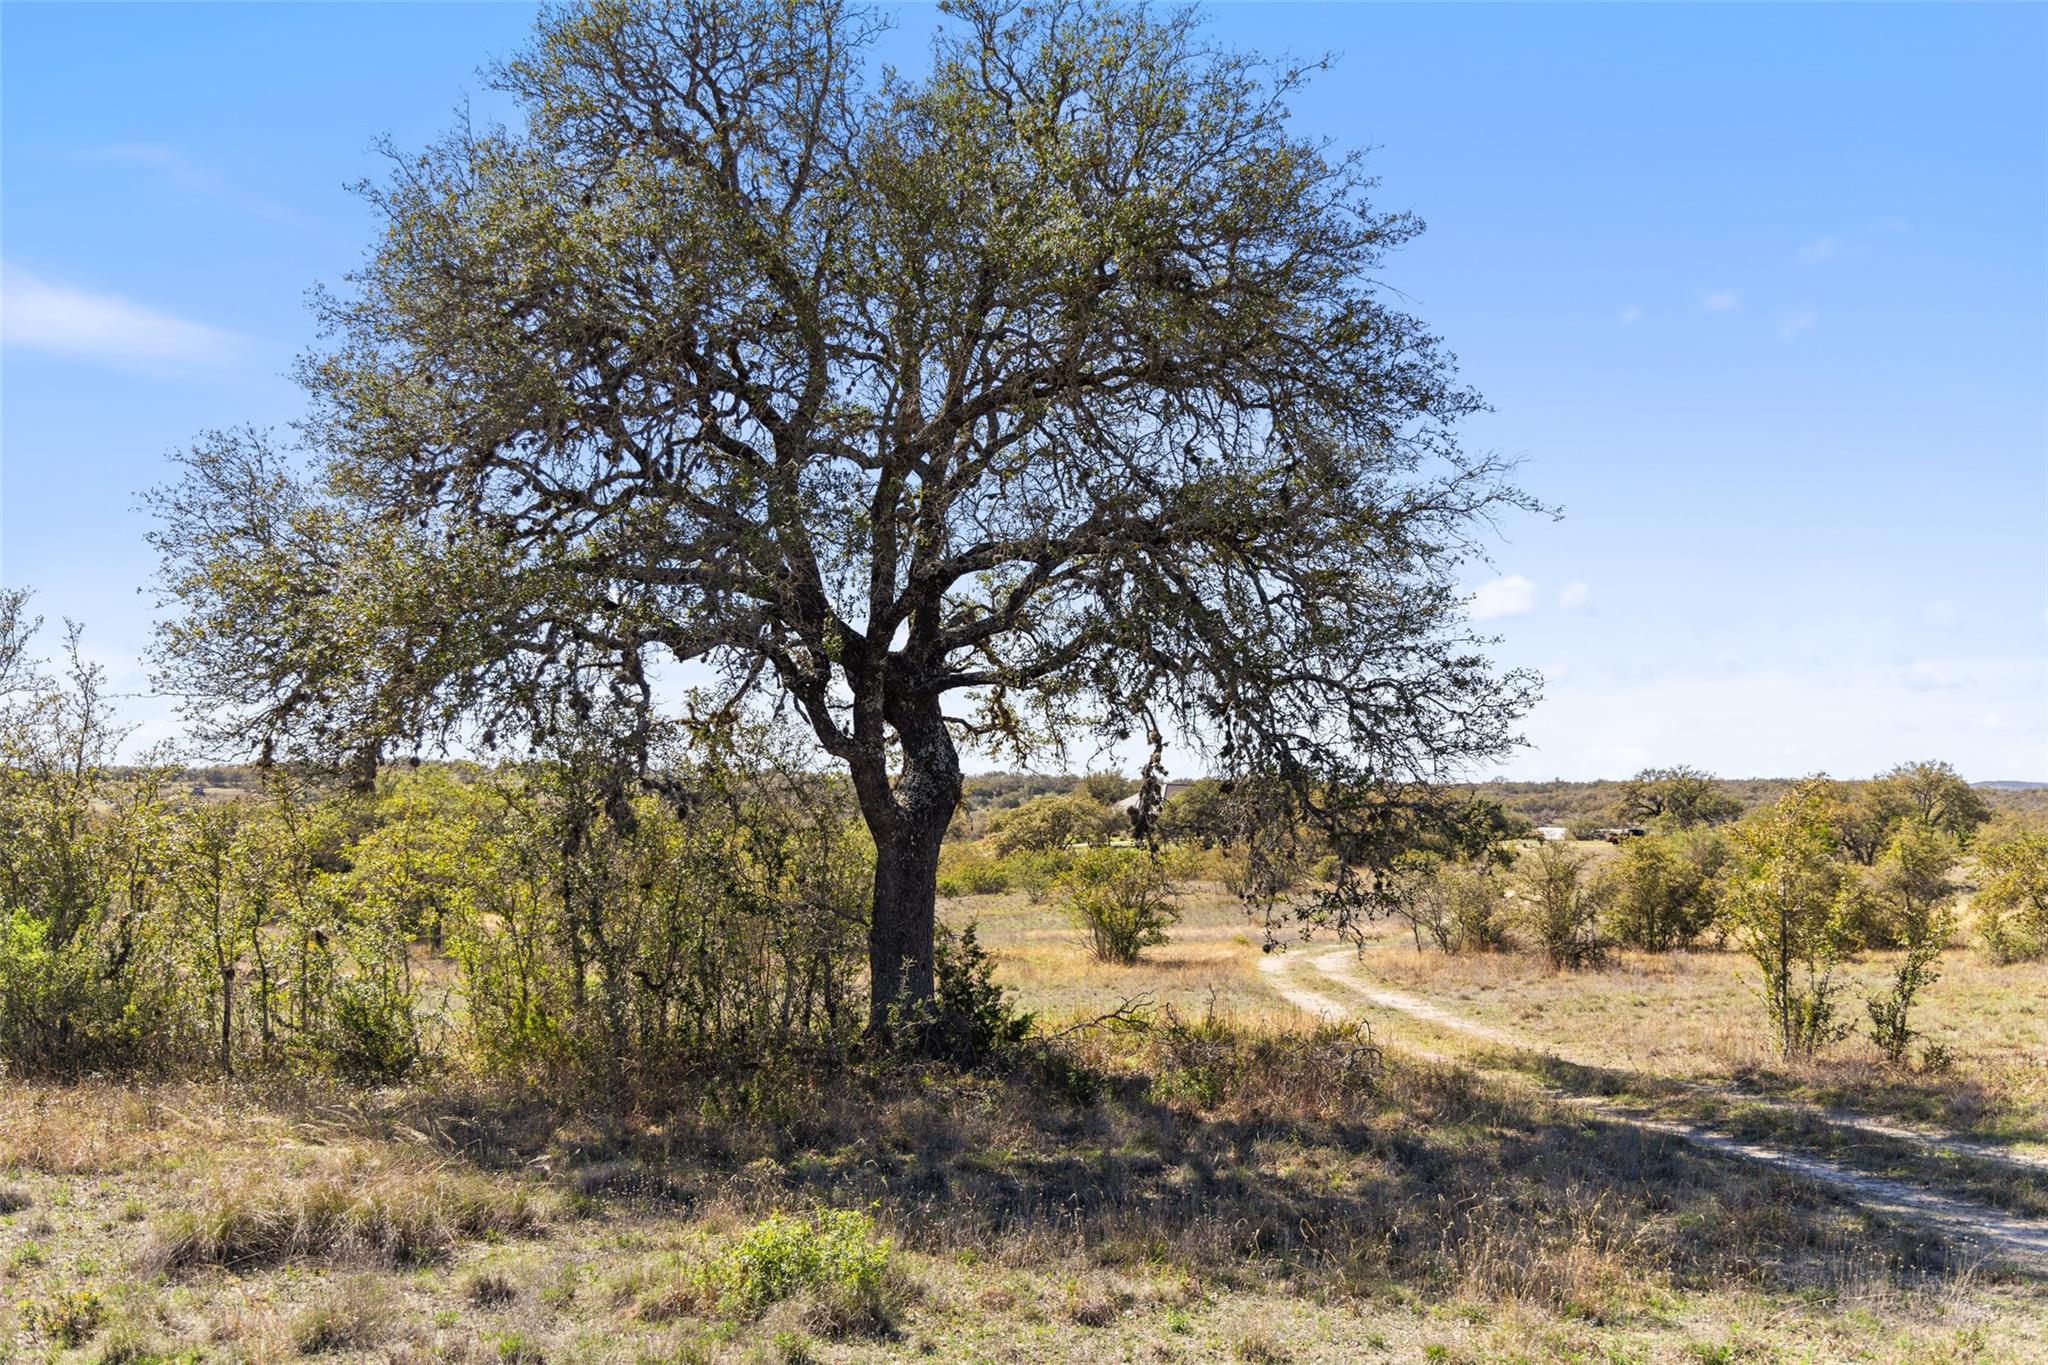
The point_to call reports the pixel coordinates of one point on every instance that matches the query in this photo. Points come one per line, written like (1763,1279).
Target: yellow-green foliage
(1046,823)
(969,870)
(1791,904)
(834,1250)
(69,1319)
(1123,898)
(2012,897)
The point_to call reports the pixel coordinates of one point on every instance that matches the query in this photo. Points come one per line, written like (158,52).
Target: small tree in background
(1666,890)
(1564,897)
(1912,883)
(1676,798)
(1124,898)
(1197,814)
(1789,900)
(1937,794)
(2012,897)
(1046,824)
(1460,906)
(1105,789)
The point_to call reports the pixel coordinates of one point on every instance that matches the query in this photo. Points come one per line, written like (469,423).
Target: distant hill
(1572,804)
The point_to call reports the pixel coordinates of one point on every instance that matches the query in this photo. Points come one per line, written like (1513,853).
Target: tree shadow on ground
(1426,1179)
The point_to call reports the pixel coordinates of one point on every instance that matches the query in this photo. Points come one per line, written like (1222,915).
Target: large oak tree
(1052,387)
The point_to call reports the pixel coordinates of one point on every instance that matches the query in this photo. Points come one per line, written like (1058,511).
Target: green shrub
(1048,823)
(1790,904)
(374,1030)
(1122,897)
(69,1319)
(1038,874)
(1911,882)
(835,1258)
(2012,898)
(1563,898)
(1460,907)
(63,1010)
(970,1020)
(1666,890)
(973,874)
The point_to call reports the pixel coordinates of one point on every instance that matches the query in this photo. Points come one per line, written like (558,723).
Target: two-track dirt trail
(2022,1242)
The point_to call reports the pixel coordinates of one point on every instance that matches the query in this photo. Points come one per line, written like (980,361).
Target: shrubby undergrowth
(541,921)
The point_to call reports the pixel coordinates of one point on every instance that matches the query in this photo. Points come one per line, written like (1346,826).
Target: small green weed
(837,1250)
(67,1319)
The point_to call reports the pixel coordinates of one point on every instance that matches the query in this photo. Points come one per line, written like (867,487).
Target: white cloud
(1821,250)
(39,314)
(1939,612)
(1573,596)
(1935,675)
(1721,301)
(1797,321)
(1510,596)
(1629,316)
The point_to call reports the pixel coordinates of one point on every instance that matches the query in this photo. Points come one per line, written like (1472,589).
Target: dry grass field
(1240,1181)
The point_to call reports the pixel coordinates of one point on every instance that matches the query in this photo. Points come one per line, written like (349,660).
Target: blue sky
(1760,296)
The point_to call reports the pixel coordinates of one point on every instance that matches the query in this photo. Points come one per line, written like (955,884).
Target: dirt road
(2021,1242)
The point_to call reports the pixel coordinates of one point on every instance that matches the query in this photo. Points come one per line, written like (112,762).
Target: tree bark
(909,824)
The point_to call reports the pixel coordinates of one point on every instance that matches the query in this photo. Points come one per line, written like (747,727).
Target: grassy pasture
(1227,1193)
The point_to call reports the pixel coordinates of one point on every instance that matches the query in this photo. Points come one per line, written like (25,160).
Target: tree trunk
(908,824)
(227,1021)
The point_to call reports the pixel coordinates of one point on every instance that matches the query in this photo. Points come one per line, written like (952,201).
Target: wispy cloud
(1721,301)
(1797,321)
(1629,316)
(1509,596)
(173,167)
(1821,250)
(1573,596)
(39,314)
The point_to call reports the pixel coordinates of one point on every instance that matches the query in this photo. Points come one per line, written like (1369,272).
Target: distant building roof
(1167,791)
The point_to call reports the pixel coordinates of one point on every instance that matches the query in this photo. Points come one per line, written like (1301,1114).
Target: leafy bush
(69,1319)
(1047,823)
(62,1011)
(1460,907)
(972,873)
(1666,890)
(1790,903)
(1038,874)
(2012,897)
(970,1020)
(374,1028)
(1912,884)
(1123,898)
(1563,900)
(834,1258)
